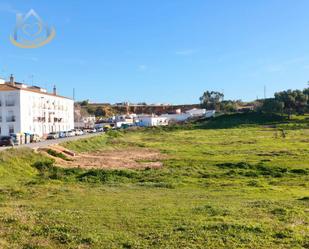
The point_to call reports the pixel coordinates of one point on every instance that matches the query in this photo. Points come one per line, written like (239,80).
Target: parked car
(62,134)
(92,130)
(71,133)
(6,141)
(53,135)
(79,132)
(101,129)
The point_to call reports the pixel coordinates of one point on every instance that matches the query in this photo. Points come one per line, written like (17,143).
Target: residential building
(31,109)
(177,117)
(85,122)
(151,121)
(82,119)
(193,113)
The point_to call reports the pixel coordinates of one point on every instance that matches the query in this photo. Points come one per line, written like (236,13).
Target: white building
(85,122)
(177,117)
(193,113)
(151,121)
(210,113)
(31,109)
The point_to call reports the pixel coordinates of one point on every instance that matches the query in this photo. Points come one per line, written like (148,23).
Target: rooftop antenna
(74,94)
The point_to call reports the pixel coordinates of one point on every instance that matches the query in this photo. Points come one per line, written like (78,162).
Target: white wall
(152,121)
(9,111)
(36,106)
(177,117)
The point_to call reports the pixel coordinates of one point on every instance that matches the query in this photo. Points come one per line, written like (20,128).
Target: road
(45,143)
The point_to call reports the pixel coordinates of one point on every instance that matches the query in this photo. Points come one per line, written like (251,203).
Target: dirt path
(133,158)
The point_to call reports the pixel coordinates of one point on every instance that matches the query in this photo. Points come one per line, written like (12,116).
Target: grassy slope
(242,187)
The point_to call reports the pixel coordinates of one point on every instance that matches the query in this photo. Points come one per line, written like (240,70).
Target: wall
(39,112)
(4,110)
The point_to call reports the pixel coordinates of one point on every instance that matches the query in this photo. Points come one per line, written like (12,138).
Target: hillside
(109,110)
(238,185)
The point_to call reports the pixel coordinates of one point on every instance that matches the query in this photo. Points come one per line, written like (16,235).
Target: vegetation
(211,99)
(288,102)
(236,181)
(57,154)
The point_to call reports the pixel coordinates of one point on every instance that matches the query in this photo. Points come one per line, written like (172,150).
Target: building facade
(28,109)
(148,121)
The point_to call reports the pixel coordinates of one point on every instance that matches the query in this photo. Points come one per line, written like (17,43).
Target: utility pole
(74,94)
(264,92)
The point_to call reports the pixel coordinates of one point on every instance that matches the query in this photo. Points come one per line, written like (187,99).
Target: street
(45,143)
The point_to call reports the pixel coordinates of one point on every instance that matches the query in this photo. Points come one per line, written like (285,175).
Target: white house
(31,109)
(210,113)
(178,117)
(193,113)
(151,121)
(85,122)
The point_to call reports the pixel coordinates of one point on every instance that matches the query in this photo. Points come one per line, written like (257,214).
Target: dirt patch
(132,158)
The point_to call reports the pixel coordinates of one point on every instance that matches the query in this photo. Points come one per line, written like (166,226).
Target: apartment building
(31,109)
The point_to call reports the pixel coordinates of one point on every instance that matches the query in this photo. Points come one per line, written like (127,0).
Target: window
(11,129)
(0,118)
(0,131)
(10,117)
(10,101)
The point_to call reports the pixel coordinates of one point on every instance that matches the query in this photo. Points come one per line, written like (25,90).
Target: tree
(272,106)
(99,112)
(84,102)
(228,106)
(90,109)
(211,100)
(294,101)
(306,92)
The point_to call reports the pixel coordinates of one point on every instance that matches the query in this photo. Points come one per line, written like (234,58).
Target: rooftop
(8,86)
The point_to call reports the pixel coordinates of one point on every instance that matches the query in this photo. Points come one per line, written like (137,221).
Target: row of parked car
(71,133)
(12,139)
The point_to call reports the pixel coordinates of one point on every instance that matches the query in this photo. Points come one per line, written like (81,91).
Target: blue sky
(162,51)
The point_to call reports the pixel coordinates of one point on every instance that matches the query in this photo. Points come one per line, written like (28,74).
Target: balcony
(10,119)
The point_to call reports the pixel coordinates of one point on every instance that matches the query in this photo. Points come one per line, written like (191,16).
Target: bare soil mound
(132,158)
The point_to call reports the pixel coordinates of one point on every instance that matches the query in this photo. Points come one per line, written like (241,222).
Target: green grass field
(237,181)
